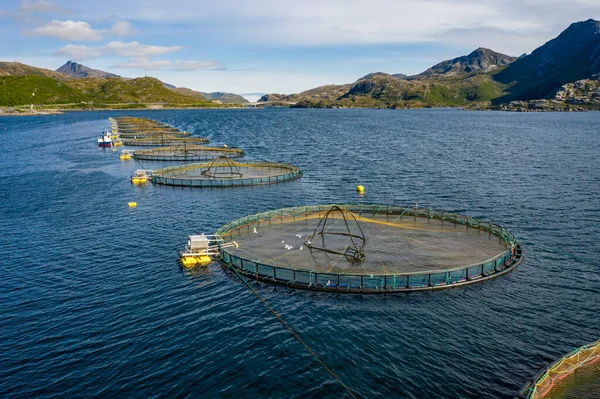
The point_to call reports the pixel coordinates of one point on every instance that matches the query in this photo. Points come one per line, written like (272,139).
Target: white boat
(105,140)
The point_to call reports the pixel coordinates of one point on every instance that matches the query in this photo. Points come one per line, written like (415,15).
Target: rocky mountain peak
(482,59)
(76,70)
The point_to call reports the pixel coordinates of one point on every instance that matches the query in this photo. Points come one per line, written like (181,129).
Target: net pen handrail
(192,166)
(192,147)
(541,377)
(376,275)
(502,233)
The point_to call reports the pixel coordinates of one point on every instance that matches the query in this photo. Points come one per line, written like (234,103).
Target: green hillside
(17,90)
(389,91)
(481,79)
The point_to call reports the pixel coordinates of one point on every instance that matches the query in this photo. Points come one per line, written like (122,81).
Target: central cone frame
(354,251)
(230,170)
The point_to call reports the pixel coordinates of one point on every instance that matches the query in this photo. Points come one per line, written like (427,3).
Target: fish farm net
(187,153)
(368,248)
(575,376)
(224,172)
(152,133)
(127,123)
(141,128)
(161,140)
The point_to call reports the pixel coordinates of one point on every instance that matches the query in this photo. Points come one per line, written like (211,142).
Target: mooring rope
(313,353)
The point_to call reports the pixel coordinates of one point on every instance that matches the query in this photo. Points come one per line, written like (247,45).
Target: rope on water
(313,353)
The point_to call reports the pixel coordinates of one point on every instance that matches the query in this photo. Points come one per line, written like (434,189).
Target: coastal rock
(78,71)
(480,60)
(571,56)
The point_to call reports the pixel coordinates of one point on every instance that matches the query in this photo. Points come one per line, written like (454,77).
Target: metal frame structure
(354,251)
(372,283)
(562,368)
(289,172)
(185,152)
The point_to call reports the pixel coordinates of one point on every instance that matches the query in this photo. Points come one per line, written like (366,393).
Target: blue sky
(283,46)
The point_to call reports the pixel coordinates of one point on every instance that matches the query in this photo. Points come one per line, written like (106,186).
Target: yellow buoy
(143,180)
(135,180)
(224,145)
(203,260)
(188,261)
(360,189)
(132,204)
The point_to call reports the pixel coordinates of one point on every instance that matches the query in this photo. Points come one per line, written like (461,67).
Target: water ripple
(94,303)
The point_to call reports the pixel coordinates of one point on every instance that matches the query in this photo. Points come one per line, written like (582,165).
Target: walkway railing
(372,283)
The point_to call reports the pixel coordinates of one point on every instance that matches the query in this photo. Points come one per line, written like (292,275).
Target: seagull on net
(255,232)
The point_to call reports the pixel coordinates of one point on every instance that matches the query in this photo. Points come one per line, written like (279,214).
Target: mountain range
(481,79)
(74,84)
(77,70)
(562,74)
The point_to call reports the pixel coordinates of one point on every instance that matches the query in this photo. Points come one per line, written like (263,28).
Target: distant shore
(61,109)
(26,111)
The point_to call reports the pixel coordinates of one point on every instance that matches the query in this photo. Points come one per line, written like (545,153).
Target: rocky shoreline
(10,111)
(582,95)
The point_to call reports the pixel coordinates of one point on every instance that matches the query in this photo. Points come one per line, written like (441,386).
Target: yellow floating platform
(191,261)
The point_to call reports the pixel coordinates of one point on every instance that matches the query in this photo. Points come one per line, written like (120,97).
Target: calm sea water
(93,302)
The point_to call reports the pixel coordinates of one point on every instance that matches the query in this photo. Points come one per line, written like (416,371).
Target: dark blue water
(93,302)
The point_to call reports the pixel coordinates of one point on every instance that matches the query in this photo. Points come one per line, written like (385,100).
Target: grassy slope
(387,91)
(140,90)
(17,90)
(18,69)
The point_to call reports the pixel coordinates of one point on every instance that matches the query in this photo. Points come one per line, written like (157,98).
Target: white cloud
(123,28)
(134,49)
(145,63)
(357,22)
(68,30)
(131,49)
(40,6)
(29,12)
(79,53)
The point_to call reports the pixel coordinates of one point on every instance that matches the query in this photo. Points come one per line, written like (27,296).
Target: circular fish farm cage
(576,375)
(151,133)
(133,123)
(130,127)
(187,153)
(224,172)
(162,140)
(368,248)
